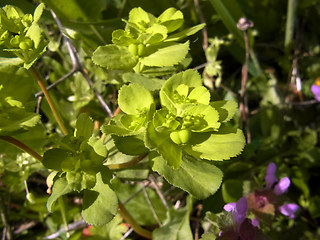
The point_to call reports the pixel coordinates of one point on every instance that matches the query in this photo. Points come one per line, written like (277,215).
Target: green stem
(22,146)
(126,164)
(50,102)
(64,214)
(135,226)
(291,12)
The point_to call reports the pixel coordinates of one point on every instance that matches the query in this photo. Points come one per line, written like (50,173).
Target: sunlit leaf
(114,57)
(198,177)
(135,99)
(167,56)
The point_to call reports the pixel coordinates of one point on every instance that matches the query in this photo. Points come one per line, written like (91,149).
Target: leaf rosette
(147,44)
(79,165)
(21,34)
(188,122)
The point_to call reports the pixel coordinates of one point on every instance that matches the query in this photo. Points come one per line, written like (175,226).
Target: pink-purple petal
(316,92)
(255,222)
(271,177)
(230,207)
(289,209)
(282,186)
(240,212)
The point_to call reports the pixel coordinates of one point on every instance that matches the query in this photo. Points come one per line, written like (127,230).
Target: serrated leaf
(185,33)
(139,17)
(226,109)
(198,177)
(34,32)
(157,34)
(34,55)
(162,143)
(207,115)
(200,94)
(115,129)
(38,12)
(151,84)
(98,146)
(100,204)
(15,120)
(135,99)
(167,56)
(171,18)
(223,145)
(190,77)
(122,37)
(60,188)
(114,57)
(84,126)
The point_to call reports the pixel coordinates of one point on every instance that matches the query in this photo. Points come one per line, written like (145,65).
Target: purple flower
(315,89)
(289,209)
(243,227)
(239,211)
(282,186)
(271,178)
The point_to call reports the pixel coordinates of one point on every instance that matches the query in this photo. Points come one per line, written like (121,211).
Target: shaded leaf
(60,188)
(197,177)
(114,57)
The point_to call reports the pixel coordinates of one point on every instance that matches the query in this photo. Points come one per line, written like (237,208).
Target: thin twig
(77,65)
(127,234)
(64,77)
(243,25)
(135,194)
(39,99)
(24,227)
(160,194)
(204,30)
(151,207)
(49,100)
(72,226)
(196,232)
(200,66)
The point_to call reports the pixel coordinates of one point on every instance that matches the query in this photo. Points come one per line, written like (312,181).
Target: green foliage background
(284,120)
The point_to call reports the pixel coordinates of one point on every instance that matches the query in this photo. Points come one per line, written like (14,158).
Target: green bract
(186,122)
(146,45)
(20,33)
(79,162)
